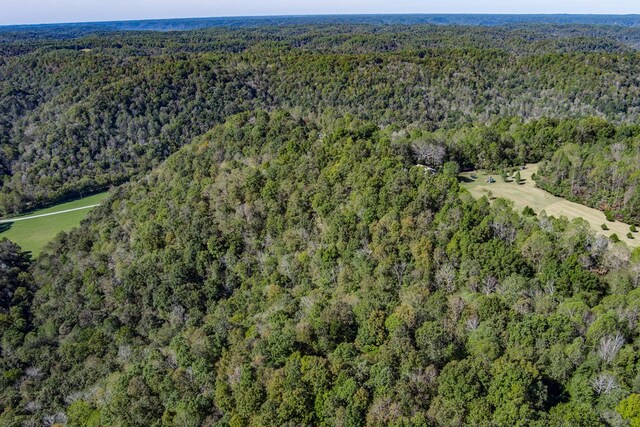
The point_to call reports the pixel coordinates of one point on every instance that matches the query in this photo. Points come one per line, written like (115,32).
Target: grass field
(527,194)
(33,233)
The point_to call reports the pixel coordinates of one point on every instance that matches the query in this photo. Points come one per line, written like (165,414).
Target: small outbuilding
(428,169)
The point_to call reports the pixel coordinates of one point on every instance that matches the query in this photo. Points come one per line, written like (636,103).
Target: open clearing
(34,229)
(26,218)
(527,194)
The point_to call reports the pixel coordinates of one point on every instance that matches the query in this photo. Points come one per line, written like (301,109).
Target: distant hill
(74,29)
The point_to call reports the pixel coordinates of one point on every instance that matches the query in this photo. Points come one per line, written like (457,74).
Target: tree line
(600,171)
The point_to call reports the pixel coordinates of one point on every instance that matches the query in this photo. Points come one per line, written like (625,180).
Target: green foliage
(517,177)
(80,413)
(629,409)
(435,343)
(277,273)
(296,267)
(599,171)
(451,169)
(575,414)
(515,391)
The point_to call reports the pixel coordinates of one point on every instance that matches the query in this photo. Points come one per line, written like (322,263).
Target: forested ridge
(274,250)
(80,115)
(276,273)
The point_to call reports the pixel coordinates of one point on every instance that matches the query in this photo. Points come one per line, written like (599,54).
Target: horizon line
(311,15)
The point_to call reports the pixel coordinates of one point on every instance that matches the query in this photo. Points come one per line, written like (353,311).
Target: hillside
(602,173)
(295,233)
(273,272)
(80,114)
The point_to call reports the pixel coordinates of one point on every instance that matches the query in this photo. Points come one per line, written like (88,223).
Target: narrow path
(4,221)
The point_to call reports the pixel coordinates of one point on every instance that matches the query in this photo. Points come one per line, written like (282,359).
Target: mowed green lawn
(527,194)
(33,233)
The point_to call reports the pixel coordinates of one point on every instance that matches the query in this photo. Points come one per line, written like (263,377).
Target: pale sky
(49,11)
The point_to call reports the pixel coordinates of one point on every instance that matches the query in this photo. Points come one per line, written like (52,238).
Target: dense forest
(80,115)
(274,252)
(275,273)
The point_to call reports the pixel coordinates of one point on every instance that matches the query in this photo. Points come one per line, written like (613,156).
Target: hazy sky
(41,11)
